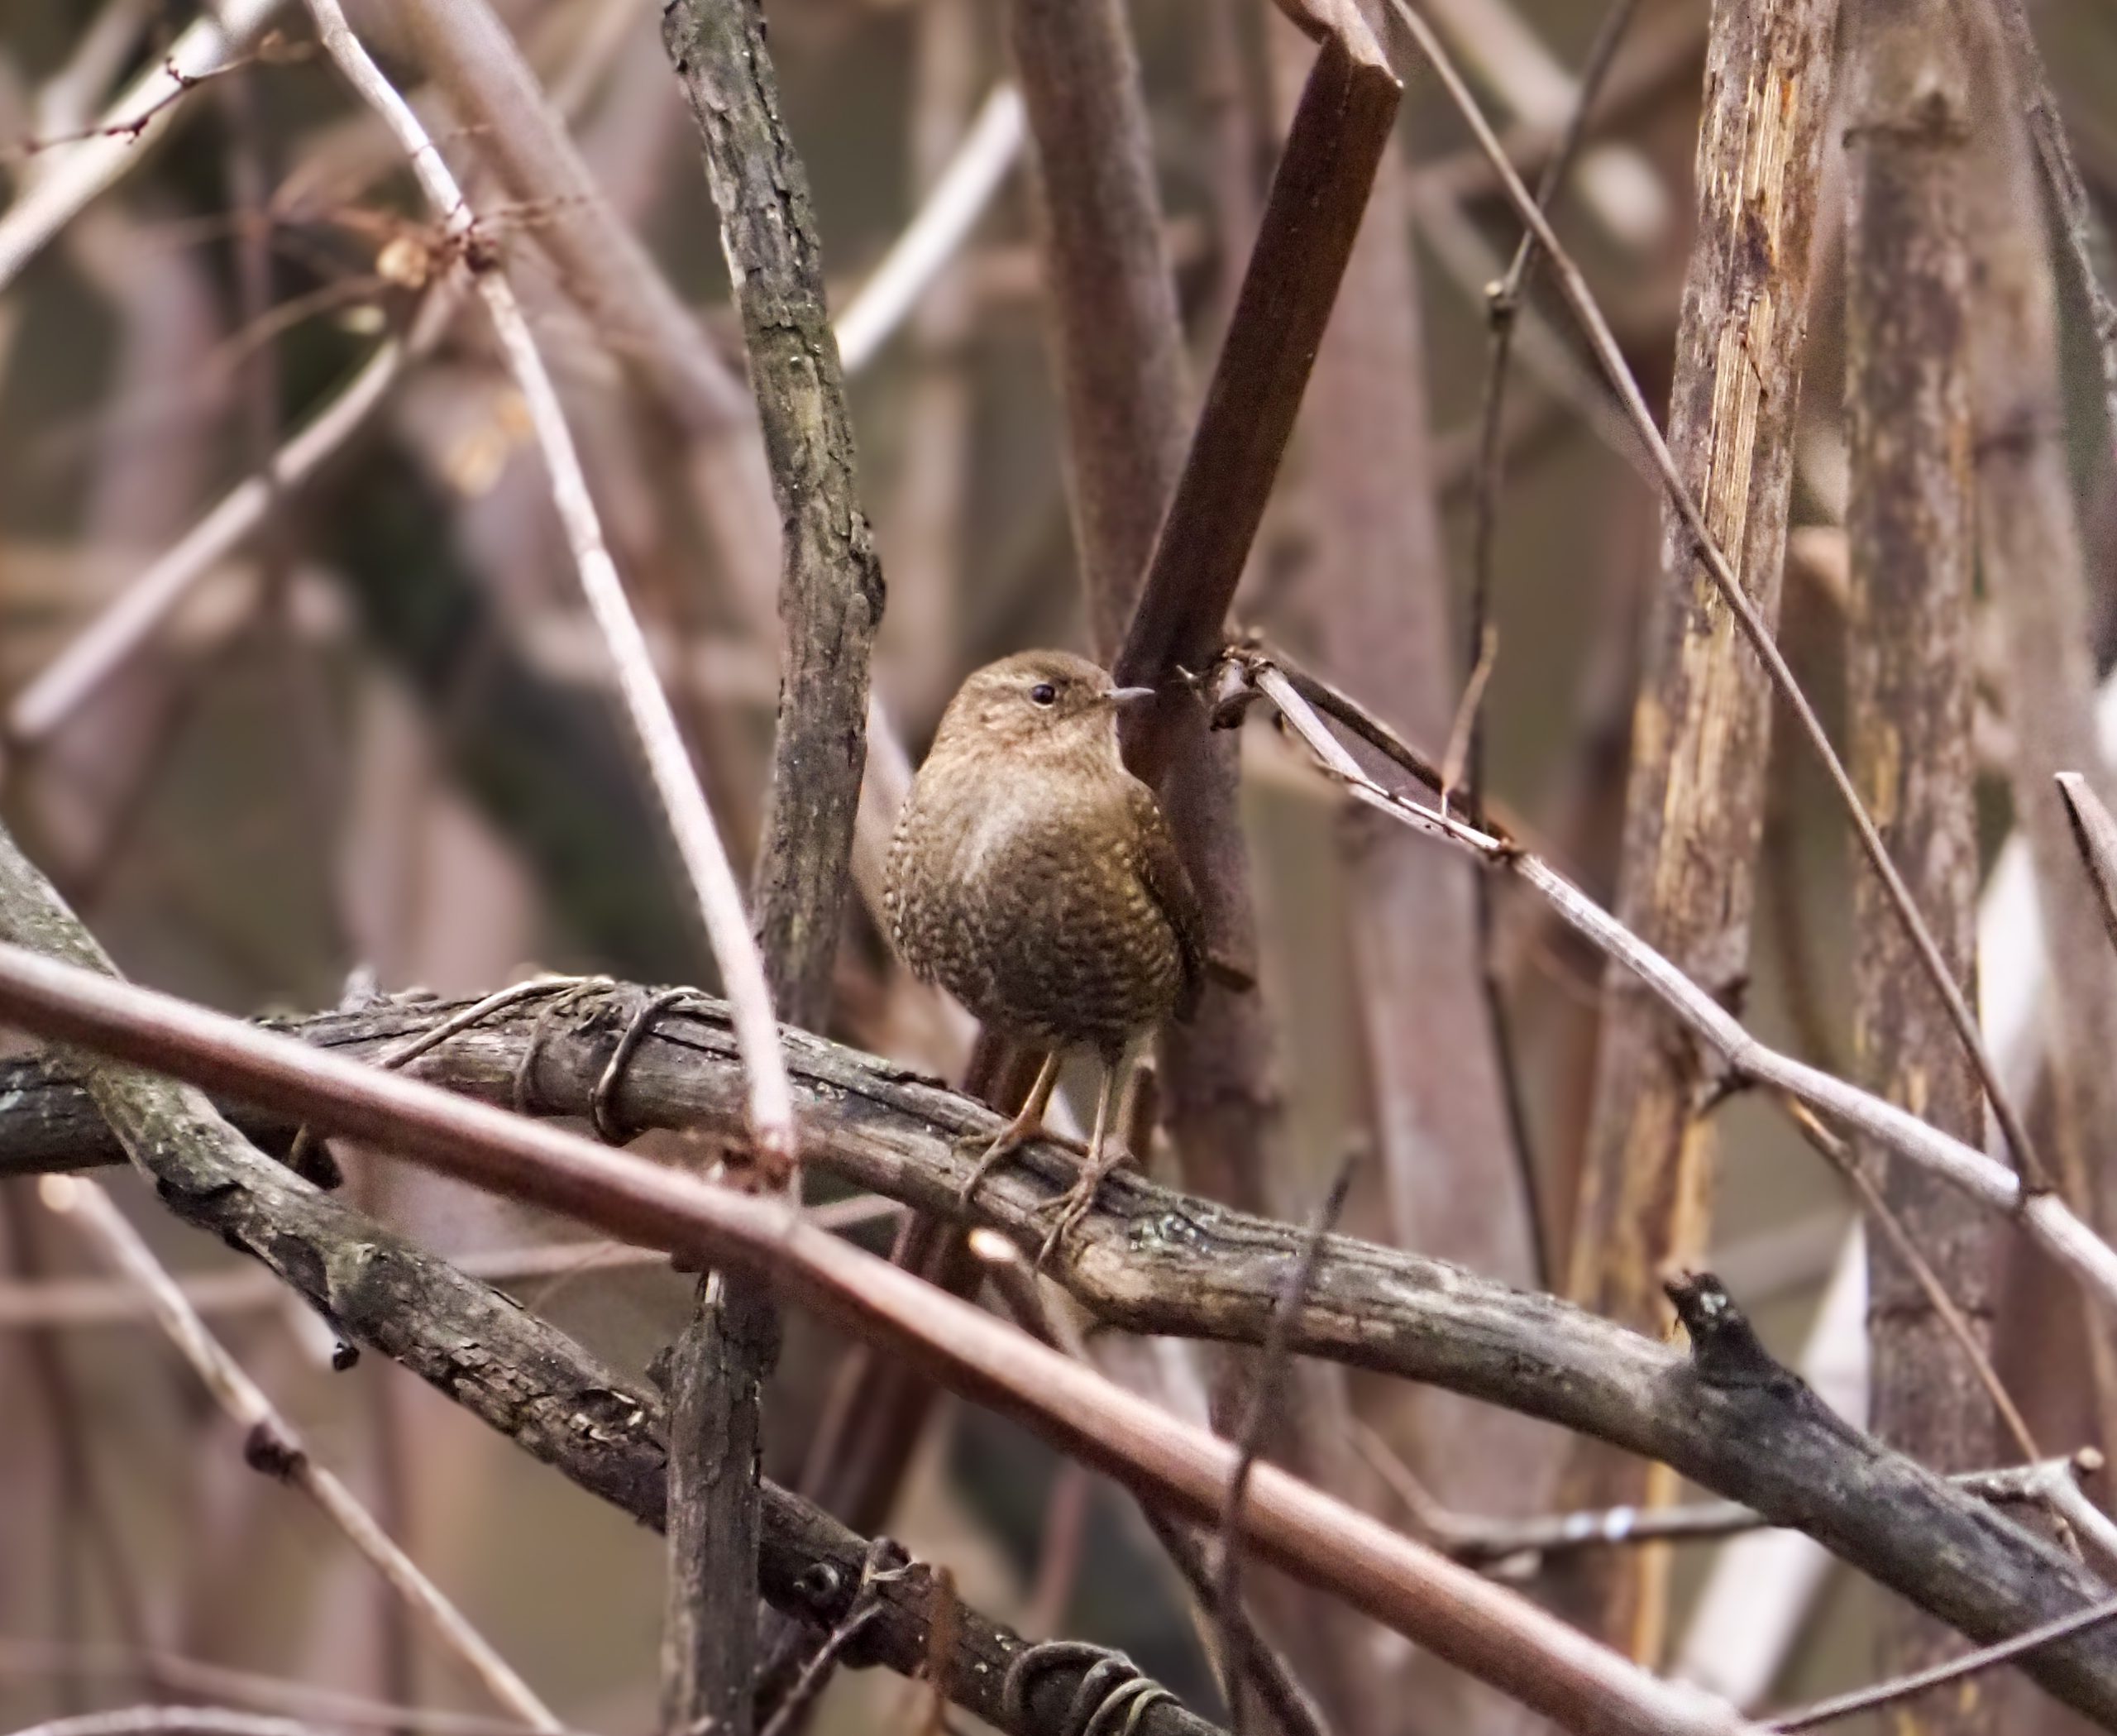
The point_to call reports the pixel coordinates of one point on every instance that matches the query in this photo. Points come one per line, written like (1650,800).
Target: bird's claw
(1073,1205)
(993,1154)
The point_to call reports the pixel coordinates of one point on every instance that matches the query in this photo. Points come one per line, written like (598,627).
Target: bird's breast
(1023,897)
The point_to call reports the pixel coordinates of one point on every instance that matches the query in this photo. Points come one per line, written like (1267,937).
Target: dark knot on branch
(1725,1350)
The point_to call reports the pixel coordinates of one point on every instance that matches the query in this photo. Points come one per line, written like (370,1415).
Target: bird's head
(1036,703)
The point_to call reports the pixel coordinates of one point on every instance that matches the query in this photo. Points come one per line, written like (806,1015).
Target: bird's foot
(993,1152)
(1077,1201)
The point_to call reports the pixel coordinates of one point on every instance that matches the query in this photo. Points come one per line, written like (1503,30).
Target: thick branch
(831,583)
(830,602)
(1314,1537)
(532,1384)
(1155,1261)
(1701,727)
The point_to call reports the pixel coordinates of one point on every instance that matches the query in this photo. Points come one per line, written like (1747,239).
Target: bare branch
(1117,345)
(271,1444)
(2045,1217)
(1910,525)
(1463,1617)
(683,803)
(2095,833)
(2086,243)
(1265,1392)
(1888,1693)
(75,1305)
(69,176)
(2034,570)
(1701,722)
(159,1720)
(1340,131)
(830,603)
(951,210)
(831,579)
(1603,343)
(1147,1260)
(115,634)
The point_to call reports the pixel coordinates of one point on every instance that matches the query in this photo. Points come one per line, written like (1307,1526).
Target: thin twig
(990,148)
(271,1445)
(2085,236)
(1888,1693)
(683,803)
(816,1674)
(1267,1674)
(159,1720)
(71,1303)
(122,138)
(104,645)
(1517,1547)
(2096,834)
(1263,1407)
(173,1671)
(1603,343)
(1841,1159)
(1502,305)
(2045,1216)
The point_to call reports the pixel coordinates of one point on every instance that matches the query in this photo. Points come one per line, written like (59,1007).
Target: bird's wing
(1161,871)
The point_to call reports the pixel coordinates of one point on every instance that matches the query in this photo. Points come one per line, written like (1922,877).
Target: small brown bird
(1034,877)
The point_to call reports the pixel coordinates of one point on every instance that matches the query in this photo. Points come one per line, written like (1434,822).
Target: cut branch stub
(1317,197)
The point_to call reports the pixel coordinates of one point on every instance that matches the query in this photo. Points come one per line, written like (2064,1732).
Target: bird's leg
(1075,1204)
(1027,1123)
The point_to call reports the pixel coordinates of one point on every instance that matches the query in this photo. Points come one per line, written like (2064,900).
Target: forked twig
(122,135)
(2035,1183)
(2044,1215)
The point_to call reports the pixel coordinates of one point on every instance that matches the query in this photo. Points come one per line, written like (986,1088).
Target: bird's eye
(1043,694)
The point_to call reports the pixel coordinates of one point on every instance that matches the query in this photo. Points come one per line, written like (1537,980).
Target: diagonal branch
(698,842)
(1305,238)
(1149,1260)
(520,1376)
(1481,1628)
(70,176)
(2096,834)
(271,1445)
(2046,1218)
(1574,286)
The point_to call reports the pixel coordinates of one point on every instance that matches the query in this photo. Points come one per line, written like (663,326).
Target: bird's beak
(1121,698)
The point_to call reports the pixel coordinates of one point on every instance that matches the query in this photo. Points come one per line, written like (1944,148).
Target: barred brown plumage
(1034,878)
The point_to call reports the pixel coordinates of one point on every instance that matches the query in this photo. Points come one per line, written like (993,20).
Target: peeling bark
(1701,725)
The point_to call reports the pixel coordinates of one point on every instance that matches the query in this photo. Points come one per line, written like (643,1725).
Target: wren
(1035,879)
